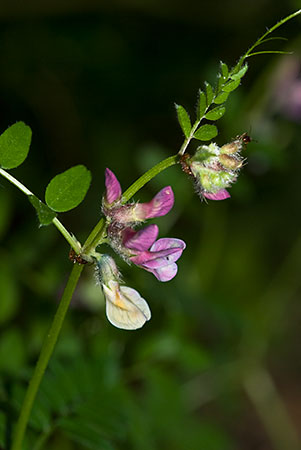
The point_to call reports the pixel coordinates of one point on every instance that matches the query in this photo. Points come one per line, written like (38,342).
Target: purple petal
(166,243)
(153,260)
(160,205)
(222,194)
(165,273)
(142,239)
(113,189)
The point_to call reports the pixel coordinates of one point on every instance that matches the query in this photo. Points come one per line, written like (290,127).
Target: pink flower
(156,256)
(222,194)
(160,205)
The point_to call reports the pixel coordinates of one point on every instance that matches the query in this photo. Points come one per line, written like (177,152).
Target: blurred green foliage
(97,84)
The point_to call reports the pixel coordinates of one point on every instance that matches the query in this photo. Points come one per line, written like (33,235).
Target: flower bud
(106,270)
(230,162)
(237,145)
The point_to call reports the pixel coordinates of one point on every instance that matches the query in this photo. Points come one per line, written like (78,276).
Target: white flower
(125,308)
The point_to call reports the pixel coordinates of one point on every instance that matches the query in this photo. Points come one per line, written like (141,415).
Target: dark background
(218,366)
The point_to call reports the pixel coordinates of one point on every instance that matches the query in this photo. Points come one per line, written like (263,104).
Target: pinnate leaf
(68,189)
(45,214)
(14,145)
(206,132)
(215,113)
(184,120)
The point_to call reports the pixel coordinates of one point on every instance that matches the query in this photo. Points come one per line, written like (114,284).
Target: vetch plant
(212,168)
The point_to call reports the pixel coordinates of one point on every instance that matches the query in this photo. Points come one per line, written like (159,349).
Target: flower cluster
(125,307)
(215,168)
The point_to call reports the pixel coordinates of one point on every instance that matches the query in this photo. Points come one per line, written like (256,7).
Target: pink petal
(142,239)
(160,205)
(113,189)
(165,273)
(222,194)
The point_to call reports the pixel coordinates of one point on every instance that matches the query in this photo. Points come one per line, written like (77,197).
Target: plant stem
(44,357)
(147,176)
(69,238)
(14,181)
(269,31)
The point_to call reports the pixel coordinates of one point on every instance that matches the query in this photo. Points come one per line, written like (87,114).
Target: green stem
(269,31)
(44,357)
(147,176)
(188,139)
(69,238)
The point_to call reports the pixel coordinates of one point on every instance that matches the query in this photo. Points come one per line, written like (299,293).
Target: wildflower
(125,308)
(156,256)
(160,205)
(215,168)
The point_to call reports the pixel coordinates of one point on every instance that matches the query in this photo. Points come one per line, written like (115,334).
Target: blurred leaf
(14,145)
(45,214)
(12,350)
(206,132)
(215,113)
(5,211)
(9,294)
(221,98)
(184,120)
(229,87)
(209,93)
(2,429)
(86,434)
(68,189)
(240,73)
(202,104)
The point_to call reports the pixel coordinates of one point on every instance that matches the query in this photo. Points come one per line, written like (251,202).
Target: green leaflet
(206,132)
(68,189)
(14,145)
(240,73)
(45,214)
(215,113)
(229,87)
(221,98)
(202,104)
(184,119)
(209,93)
(224,70)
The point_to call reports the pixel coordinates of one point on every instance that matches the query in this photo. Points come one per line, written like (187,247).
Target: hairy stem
(44,357)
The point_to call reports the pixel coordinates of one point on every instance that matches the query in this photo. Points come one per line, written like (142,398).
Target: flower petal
(125,308)
(113,188)
(165,273)
(222,194)
(167,243)
(160,205)
(142,239)
(154,260)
